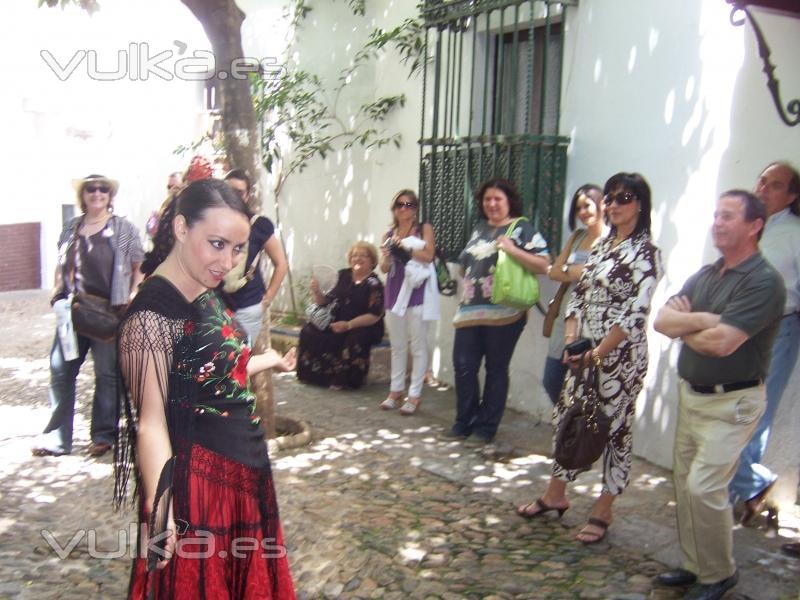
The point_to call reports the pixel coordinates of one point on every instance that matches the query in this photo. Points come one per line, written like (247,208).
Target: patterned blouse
(616,288)
(479,259)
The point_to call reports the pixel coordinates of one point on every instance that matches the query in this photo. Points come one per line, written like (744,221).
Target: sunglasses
(409,205)
(91,189)
(621,199)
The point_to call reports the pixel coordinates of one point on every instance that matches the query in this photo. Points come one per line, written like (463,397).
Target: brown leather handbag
(584,430)
(92,316)
(553,310)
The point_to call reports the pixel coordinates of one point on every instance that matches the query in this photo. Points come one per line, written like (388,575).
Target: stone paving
(375,507)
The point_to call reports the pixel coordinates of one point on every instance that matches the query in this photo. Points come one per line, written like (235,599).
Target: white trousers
(404,332)
(250,319)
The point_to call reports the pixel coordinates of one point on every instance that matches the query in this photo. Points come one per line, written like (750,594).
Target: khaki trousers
(712,430)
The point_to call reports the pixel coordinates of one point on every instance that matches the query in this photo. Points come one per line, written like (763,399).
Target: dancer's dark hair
(191,202)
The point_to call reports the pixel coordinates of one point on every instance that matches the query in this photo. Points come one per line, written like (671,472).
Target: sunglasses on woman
(621,199)
(91,189)
(409,205)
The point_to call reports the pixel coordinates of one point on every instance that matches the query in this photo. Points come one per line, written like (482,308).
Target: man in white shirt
(778,187)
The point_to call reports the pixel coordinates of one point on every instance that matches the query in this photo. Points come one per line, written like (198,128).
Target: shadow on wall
(758,137)
(640,102)
(338,199)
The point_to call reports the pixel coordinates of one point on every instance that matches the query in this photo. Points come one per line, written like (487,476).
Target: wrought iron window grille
(790,114)
(491,100)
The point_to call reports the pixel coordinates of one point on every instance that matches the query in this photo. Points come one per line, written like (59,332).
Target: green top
(750,297)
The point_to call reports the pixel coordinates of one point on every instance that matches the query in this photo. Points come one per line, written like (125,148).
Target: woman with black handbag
(587,207)
(411,304)
(606,326)
(97,273)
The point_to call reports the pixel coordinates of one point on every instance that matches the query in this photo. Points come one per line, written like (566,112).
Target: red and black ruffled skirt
(227,547)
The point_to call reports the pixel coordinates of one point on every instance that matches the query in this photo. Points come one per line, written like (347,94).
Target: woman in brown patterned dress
(610,306)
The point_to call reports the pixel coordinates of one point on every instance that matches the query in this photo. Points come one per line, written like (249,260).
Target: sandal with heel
(410,406)
(594,537)
(525,509)
(391,402)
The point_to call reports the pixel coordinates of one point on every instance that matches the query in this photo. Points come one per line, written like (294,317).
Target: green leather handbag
(513,285)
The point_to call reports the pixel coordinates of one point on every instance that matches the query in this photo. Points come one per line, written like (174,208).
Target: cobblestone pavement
(376,507)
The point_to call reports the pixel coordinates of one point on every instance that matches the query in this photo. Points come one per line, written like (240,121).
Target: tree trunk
(262,382)
(222,21)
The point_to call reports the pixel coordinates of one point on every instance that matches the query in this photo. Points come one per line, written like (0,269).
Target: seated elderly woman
(338,356)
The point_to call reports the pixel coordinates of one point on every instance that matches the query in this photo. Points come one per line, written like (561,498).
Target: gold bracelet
(596,358)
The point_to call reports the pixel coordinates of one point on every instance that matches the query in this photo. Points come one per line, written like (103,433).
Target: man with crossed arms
(727,315)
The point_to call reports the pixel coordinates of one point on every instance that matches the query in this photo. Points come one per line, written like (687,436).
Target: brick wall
(20,259)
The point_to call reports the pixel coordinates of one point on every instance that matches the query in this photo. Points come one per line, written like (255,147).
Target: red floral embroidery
(229,312)
(239,371)
(188,327)
(228,331)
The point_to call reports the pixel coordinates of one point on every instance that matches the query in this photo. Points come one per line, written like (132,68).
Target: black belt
(722,388)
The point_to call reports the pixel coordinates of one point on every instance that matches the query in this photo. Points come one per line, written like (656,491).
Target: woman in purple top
(406,323)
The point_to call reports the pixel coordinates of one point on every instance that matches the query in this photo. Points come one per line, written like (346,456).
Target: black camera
(399,252)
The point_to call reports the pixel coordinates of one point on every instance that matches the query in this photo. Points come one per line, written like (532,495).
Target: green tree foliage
(90,6)
(300,115)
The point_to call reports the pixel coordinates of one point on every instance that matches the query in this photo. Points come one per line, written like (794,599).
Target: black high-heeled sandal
(523,511)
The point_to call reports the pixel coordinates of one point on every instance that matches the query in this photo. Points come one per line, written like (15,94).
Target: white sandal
(410,406)
(390,403)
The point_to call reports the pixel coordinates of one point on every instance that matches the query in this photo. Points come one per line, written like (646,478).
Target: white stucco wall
(56,131)
(674,91)
(346,196)
(671,90)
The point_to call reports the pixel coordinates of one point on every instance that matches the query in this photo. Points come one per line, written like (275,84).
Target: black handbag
(92,316)
(445,283)
(584,430)
(579,346)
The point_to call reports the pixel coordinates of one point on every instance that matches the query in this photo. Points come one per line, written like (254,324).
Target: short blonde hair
(368,248)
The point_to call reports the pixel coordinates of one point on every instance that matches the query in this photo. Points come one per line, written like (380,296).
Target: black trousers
(471,346)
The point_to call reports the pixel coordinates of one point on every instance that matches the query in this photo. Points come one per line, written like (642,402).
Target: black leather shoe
(712,591)
(791,549)
(676,577)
